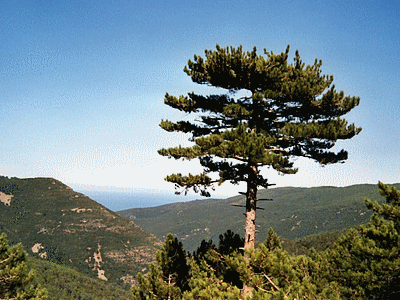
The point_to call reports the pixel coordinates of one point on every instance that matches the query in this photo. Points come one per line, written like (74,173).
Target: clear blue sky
(82,83)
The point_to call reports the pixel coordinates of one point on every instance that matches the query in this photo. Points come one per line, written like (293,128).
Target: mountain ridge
(294,212)
(57,224)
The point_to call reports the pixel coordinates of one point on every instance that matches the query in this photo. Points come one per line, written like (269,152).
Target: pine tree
(268,112)
(203,249)
(168,278)
(215,258)
(206,285)
(366,260)
(276,274)
(230,242)
(15,278)
(272,241)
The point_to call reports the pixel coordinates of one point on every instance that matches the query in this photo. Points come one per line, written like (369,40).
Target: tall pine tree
(268,112)
(365,261)
(16,280)
(168,277)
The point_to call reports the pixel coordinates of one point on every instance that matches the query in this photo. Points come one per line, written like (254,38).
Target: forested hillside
(81,250)
(363,263)
(63,283)
(57,224)
(293,213)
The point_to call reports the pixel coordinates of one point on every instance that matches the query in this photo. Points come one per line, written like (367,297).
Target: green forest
(293,213)
(362,262)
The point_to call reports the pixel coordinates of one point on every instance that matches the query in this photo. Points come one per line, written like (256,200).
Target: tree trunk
(250,225)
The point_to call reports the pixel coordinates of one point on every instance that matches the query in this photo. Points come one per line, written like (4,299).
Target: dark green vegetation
(171,274)
(319,242)
(56,224)
(363,263)
(53,222)
(293,213)
(63,283)
(16,279)
(25,277)
(168,277)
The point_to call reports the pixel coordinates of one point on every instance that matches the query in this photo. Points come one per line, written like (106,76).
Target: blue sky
(82,83)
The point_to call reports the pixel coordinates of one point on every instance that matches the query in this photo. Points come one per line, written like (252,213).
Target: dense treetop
(268,111)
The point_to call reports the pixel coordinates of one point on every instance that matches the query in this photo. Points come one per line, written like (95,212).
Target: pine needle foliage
(206,285)
(291,110)
(168,277)
(16,280)
(364,263)
(366,260)
(268,111)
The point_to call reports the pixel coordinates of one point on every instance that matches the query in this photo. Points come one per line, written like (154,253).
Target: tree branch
(271,282)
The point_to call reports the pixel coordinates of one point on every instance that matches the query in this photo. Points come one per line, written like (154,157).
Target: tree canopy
(15,278)
(168,276)
(289,110)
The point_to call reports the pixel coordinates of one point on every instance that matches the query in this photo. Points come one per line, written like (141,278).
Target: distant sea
(121,200)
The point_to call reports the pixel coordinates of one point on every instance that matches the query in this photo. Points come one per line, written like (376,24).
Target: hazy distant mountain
(55,223)
(119,199)
(293,213)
